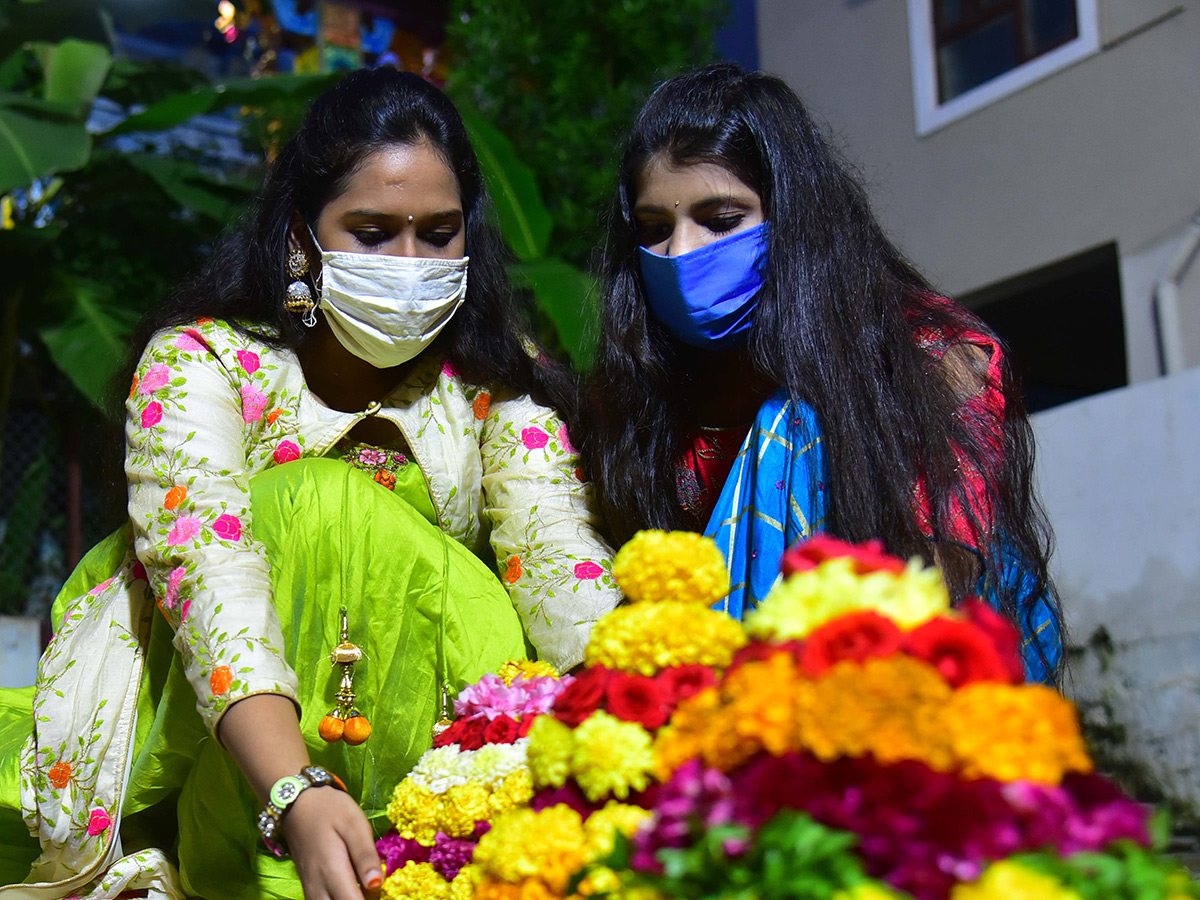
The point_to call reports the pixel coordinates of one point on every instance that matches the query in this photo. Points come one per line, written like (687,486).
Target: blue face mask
(707,297)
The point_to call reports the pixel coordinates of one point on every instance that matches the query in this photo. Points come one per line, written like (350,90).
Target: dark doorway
(1063,325)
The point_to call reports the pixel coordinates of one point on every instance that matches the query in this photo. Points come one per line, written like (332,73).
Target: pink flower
(448,368)
(188,342)
(172,594)
(187,604)
(248,360)
(565,440)
(286,451)
(534,438)
(157,377)
(491,697)
(586,571)
(254,402)
(152,414)
(98,822)
(101,587)
(184,530)
(228,528)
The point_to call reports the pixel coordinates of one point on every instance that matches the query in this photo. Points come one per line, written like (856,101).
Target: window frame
(932,115)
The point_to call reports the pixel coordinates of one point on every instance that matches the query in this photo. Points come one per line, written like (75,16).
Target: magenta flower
(448,368)
(286,451)
(534,438)
(228,528)
(492,697)
(98,822)
(396,851)
(187,604)
(152,414)
(138,572)
(565,439)
(184,530)
(254,403)
(586,571)
(101,587)
(449,855)
(171,597)
(156,378)
(188,342)
(248,360)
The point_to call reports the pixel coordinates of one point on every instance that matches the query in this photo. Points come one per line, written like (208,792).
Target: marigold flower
(526,668)
(649,637)
(611,757)
(551,744)
(1011,881)
(602,826)
(463,885)
(220,680)
(415,881)
(547,844)
(671,565)
(60,774)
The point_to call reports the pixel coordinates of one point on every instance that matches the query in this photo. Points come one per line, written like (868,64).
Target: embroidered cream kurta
(208,409)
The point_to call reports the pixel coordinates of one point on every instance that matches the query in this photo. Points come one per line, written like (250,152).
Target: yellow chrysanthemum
(461,807)
(808,599)
(611,757)
(549,753)
(414,811)
(415,881)
(515,790)
(599,881)
(671,565)
(525,668)
(867,890)
(1010,732)
(648,637)
(602,826)
(463,885)
(1010,881)
(548,845)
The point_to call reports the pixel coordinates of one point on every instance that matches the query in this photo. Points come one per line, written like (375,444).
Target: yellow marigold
(611,757)
(602,826)
(525,668)
(463,885)
(671,565)
(680,740)
(808,599)
(549,752)
(414,810)
(515,790)
(1010,881)
(461,807)
(867,890)
(1010,732)
(649,637)
(415,881)
(601,881)
(547,844)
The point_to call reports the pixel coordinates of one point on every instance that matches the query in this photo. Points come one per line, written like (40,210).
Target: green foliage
(1125,872)
(564,80)
(18,544)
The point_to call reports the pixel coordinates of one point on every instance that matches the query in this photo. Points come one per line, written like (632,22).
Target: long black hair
(835,326)
(245,278)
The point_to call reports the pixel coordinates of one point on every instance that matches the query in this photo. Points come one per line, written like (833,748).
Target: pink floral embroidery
(534,438)
(157,377)
(254,402)
(371,457)
(187,604)
(565,440)
(152,414)
(228,528)
(98,822)
(173,581)
(188,343)
(586,571)
(101,587)
(248,360)
(286,451)
(184,530)
(448,368)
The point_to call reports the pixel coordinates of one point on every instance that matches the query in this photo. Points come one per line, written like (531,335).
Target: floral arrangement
(857,739)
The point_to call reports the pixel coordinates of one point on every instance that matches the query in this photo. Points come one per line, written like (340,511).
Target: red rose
(961,651)
(582,697)
(525,724)
(852,637)
(681,682)
(451,735)
(1003,633)
(868,556)
(756,651)
(502,730)
(472,734)
(636,698)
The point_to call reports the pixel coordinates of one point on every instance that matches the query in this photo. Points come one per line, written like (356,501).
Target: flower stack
(475,771)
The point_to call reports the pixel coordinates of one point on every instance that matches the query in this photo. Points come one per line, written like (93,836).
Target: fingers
(360,846)
(333,847)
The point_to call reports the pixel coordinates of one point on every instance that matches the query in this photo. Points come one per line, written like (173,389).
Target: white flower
(442,768)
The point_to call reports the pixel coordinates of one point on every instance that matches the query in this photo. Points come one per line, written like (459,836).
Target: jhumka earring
(299,294)
(344,722)
(444,722)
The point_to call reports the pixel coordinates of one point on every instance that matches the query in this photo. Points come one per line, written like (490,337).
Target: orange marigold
(220,680)
(482,404)
(1015,732)
(513,574)
(59,774)
(175,496)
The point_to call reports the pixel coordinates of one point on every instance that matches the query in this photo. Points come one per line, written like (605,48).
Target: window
(968,53)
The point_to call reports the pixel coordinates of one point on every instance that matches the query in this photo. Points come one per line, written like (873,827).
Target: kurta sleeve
(544,529)
(189,504)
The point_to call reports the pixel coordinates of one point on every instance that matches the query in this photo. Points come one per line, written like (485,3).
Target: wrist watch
(282,795)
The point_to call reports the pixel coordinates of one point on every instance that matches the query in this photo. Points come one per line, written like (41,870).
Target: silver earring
(299,294)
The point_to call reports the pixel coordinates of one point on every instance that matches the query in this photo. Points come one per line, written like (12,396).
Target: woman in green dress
(329,416)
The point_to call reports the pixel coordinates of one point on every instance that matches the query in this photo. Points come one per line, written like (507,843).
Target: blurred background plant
(131,134)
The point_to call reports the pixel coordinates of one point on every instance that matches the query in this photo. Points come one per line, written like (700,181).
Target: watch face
(285,790)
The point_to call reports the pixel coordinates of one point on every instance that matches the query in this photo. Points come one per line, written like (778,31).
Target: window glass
(978,57)
(1049,23)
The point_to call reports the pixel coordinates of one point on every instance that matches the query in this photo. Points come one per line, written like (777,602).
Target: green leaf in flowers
(179,108)
(92,340)
(524,220)
(37,138)
(73,72)
(567,295)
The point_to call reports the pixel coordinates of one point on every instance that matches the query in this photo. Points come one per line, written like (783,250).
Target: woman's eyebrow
(379,214)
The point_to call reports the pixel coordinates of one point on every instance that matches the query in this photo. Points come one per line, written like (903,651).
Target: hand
(332,845)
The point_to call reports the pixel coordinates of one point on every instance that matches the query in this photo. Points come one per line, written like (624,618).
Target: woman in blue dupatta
(770,366)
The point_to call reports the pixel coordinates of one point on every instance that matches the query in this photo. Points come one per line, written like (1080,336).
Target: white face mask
(387,309)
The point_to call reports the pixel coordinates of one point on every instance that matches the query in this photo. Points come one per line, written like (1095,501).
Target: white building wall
(1107,149)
